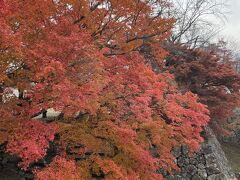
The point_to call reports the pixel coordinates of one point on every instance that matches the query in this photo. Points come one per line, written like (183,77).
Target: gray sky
(232,27)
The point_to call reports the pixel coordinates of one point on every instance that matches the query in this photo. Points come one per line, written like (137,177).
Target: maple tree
(33,137)
(119,119)
(208,73)
(60,169)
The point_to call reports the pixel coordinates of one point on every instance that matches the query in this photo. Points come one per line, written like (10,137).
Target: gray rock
(201,159)
(210,159)
(177,177)
(176,152)
(202,173)
(196,177)
(207,149)
(209,163)
(184,150)
(217,177)
(201,166)
(182,161)
(191,170)
(193,161)
(213,169)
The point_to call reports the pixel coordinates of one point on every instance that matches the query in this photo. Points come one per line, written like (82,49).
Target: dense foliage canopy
(119,119)
(209,73)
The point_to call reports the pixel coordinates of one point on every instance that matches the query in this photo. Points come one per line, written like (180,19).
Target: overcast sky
(232,26)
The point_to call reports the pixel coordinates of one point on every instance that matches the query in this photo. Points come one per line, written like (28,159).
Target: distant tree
(209,73)
(197,21)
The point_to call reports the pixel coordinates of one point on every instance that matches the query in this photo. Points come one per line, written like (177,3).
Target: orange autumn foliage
(208,73)
(60,169)
(129,118)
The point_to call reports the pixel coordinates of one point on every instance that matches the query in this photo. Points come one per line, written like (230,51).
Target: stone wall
(209,163)
(234,122)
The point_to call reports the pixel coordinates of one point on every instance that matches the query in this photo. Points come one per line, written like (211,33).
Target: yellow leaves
(5,127)
(3,78)
(107,167)
(82,133)
(130,46)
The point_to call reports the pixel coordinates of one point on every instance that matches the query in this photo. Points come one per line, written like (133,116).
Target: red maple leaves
(129,118)
(59,169)
(211,77)
(29,140)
